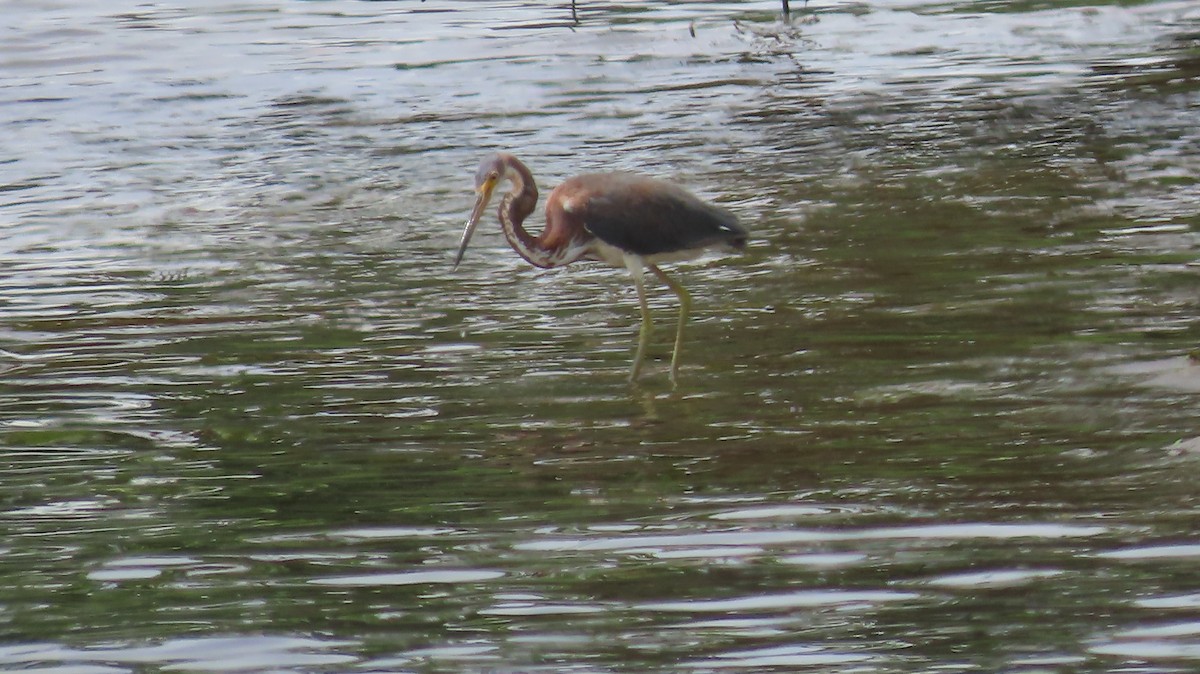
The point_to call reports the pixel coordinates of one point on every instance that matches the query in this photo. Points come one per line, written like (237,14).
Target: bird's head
(492,170)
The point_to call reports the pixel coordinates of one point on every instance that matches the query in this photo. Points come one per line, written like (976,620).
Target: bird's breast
(568,252)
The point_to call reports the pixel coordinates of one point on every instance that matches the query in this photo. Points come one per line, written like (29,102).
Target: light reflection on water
(940,416)
(209,654)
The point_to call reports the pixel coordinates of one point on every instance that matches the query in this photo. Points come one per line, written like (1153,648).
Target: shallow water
(942,415)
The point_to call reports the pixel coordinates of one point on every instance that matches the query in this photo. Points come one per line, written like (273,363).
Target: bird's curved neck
(515,207)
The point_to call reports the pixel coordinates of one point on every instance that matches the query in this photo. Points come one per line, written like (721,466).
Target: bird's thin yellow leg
(685,307)
(636,270)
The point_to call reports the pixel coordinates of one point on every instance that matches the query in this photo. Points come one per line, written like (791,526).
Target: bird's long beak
(481,202)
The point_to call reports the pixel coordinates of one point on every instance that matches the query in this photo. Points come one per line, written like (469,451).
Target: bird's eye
(494,175)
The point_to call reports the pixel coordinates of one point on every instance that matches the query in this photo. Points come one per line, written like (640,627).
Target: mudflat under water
(942,415)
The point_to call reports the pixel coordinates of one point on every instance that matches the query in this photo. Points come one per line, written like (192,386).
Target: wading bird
(625,220)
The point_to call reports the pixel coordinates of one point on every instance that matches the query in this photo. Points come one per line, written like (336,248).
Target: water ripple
(202,654)
(968,531)
(245,396)
(804,599)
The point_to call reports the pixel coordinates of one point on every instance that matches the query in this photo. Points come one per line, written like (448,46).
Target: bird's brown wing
(644,216)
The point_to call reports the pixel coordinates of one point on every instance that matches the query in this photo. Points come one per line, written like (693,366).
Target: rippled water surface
(942,415)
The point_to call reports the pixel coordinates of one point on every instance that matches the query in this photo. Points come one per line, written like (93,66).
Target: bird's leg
(636,270)
(685,306)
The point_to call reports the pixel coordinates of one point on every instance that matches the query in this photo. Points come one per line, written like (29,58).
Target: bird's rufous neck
(524,187)
(528,246)
(515,207)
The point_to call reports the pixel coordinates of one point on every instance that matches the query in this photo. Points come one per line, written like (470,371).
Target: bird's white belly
(604,252)
(598,250)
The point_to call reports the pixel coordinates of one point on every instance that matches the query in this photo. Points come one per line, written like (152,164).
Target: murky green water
(941,416)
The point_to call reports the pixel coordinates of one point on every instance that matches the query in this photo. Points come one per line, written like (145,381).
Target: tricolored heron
(625,220)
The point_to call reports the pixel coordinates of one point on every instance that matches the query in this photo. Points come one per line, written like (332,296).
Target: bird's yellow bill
(481,202)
